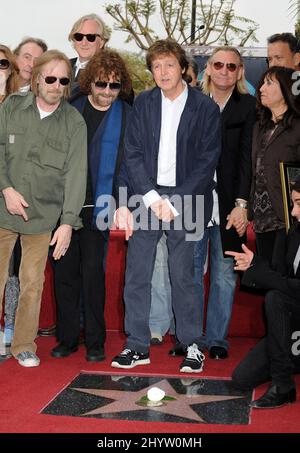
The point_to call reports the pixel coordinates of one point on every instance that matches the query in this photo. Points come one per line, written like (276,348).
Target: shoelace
(27,355)
(194,353)
(126,351)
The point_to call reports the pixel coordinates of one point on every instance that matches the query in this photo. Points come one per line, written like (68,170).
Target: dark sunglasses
(103,85)
(91,37)
(52,79)
(4,63)
(219,65)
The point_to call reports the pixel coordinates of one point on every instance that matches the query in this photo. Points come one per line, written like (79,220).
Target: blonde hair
(240,84)
(45,58)
(104,30)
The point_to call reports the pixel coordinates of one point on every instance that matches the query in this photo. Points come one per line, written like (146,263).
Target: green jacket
(45,160)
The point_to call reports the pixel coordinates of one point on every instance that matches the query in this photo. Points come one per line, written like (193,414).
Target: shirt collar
(30,100)
(180,99)
(80,65)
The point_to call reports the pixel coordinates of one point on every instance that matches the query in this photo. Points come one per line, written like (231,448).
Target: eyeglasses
(91,37)
(219,65)
(52,79)
(112,85)
(4,63)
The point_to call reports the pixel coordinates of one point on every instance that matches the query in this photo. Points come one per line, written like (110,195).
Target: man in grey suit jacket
(172,147)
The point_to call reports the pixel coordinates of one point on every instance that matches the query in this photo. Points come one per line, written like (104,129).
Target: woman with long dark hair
(276,138)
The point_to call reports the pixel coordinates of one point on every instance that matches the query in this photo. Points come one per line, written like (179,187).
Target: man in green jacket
(42,179)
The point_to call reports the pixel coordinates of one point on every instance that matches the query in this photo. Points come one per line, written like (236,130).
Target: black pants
(80,273)
(273,358)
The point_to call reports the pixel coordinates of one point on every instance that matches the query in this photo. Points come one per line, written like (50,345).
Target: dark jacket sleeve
(135,170)
(244,165)
(260,275)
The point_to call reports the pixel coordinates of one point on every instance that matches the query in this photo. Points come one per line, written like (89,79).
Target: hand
(124,221)
(62,239)
(15,203)
(162,210)
(242,260)
(238,219)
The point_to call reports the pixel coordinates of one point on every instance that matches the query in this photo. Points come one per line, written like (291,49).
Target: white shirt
(79,65)
(24,89)
(43,113)
(171,112)
(296,260)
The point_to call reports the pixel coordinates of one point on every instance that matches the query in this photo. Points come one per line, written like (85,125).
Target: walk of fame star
(116,397)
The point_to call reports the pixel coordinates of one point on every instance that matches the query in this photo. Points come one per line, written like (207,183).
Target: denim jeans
(161,314)
(221,288)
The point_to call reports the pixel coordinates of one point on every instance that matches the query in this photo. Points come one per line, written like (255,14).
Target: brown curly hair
(103,64)
(12,83)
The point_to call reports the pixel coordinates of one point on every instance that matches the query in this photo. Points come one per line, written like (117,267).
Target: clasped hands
(238,219)
(124,218)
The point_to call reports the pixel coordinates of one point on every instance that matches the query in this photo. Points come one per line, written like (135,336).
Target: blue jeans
(161,314)
(221,288)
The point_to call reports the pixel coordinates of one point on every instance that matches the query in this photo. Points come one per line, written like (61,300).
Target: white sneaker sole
(187,369)
(132,365)
(29,363)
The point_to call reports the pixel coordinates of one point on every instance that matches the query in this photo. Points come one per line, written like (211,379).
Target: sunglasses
(4,63)
(91,37)
(103,85)
(219,65)
(52,79)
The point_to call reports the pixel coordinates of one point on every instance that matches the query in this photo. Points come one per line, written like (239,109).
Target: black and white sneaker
(129,359)
(194,360)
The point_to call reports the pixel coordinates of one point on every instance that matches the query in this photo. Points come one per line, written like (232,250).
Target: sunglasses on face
(112,85)
(219,65)
(52,79)
(4,63)
(91,37)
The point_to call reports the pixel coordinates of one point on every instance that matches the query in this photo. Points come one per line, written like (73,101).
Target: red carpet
(25,392)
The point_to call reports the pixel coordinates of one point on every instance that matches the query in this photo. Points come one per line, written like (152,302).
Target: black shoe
(129,359)
(95,354)
(62,350)
(218,352)
(47,332)
(272,398)
(194,360)
(179,349)
(156,341)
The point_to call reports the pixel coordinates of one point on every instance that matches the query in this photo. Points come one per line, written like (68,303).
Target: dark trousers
(137,294)
(273,358)
(81,273)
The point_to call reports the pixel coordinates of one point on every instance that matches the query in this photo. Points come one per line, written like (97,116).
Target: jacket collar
(30,101)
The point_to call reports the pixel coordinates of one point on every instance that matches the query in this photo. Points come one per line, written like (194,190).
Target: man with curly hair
(104,84)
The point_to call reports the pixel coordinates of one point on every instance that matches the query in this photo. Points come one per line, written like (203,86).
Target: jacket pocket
(15,136)
(54,154)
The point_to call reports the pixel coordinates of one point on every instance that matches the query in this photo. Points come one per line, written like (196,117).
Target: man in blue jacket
(81,273)
(172,147)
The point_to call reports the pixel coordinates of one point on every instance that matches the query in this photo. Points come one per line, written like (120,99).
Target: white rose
(155,394)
